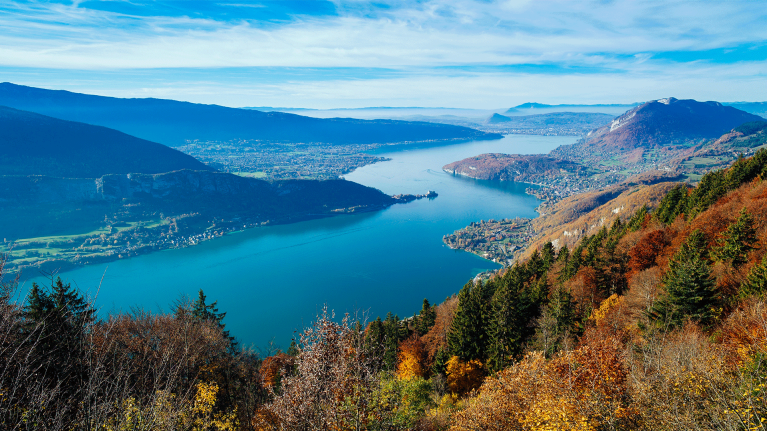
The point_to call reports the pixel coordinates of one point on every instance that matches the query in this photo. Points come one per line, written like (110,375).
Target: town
(259,159)
(496,240)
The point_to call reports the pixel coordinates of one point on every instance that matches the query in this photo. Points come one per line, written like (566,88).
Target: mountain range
(34,144)
(173,123)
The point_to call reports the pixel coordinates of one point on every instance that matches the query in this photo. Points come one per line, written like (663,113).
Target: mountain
(533,107)
(497,118)
(34,144)
(667,121)
(756,108)
(574,120)
(513,167)
(173,123)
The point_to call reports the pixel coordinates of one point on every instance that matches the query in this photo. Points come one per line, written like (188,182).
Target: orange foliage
(411,359)
(583,389)
(463,377)
(274,366)
(437,336)
(643,255)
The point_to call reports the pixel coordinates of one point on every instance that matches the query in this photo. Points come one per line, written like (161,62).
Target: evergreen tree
(391,327)
(425,320)
(637,220)
(756,282)
(374,341)
(689,287)
(203,312)
(440,361)
(556,322)
(739,239)
(58,323)
(467,337)
(672,205)
(564,254)
(505,343)
(548,254)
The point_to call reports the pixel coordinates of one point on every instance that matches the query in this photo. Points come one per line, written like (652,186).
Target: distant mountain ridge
(582,120)
(34,144)
(172,122)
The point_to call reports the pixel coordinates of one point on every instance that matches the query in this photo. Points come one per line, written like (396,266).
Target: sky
(481,54)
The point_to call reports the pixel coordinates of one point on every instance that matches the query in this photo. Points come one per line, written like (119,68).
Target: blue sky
(355,53)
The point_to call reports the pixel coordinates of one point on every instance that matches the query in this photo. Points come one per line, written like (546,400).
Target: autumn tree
(411,359)
(689,286)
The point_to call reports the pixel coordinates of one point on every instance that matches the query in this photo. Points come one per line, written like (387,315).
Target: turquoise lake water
(272,281)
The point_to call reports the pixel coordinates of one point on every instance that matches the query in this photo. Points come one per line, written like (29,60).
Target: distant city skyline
(351,54)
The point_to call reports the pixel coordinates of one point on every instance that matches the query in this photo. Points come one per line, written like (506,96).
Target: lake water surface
(272,281)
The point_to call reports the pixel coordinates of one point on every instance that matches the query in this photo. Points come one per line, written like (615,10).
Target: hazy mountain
(531,108)
(756,108)
(172,123)
(583,120)
(34,144)
(667,121)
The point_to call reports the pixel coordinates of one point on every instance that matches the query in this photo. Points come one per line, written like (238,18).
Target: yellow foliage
(463,377)
(167,412)
(608,304)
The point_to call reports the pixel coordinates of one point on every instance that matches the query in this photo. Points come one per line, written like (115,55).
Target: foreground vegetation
(657,322)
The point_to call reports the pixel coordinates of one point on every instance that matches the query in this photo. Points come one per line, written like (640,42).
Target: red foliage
(645,253)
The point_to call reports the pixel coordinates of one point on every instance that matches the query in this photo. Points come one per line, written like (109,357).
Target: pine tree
(467,337)
(391,327)
(672,205)
(374,341)
(440,361)
(425,320)
(637,220)
(203,312)
(739,238)
(756,282)
(58,323)
(506,323)
(689,286)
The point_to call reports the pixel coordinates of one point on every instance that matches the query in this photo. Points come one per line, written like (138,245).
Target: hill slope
(34,144)
(173,123)
(667,121)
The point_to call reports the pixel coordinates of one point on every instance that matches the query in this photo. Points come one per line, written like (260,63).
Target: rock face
(513,167)
(667,121)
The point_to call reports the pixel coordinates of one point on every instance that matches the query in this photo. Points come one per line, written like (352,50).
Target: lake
(272,281)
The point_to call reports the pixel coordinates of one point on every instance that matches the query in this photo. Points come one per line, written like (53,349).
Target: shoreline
(60,266)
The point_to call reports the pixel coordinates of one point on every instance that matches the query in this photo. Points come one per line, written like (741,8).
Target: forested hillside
(655,322)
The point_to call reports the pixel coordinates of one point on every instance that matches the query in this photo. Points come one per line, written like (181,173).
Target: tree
(426,318)
(203,312)
(637,220)
(672,205)
(505,327)
(739,238)
(756,282)
(374,342)
(689,286)
(392,337)
(467,337)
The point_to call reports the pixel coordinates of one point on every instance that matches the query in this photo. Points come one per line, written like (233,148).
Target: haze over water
(272,281)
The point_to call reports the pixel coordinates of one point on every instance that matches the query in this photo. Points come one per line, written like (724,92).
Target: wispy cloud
(474,42)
